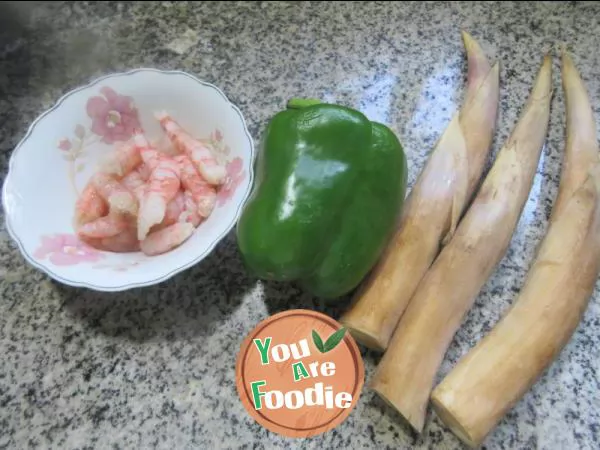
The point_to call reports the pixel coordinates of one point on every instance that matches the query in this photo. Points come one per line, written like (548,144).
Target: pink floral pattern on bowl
(114,117)
(66,250)
(235,176)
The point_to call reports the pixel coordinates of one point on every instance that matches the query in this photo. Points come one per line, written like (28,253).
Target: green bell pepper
(330,186)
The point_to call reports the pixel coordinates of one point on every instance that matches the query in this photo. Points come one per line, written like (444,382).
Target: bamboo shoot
(407,370)
(494,376)
(433,208)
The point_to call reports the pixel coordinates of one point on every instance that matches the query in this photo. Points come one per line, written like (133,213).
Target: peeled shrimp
(144,171)
(201,156)
(135,183)
(149,197)
(162,187)
(164,145)
(119,198)
(89,206)
(122,160)
(190,210)
(166,239)
(149,155)
(133,180)
(174,210)
(204,195)
(151,159)
(106,226)
(124,242)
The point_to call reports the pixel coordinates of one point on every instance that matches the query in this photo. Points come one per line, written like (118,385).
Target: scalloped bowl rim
(226,230)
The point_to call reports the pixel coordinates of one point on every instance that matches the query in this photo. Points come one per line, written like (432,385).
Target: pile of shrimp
(147,197)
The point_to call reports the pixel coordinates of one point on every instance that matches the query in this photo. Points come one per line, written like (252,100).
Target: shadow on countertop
(189,304)
(281,297)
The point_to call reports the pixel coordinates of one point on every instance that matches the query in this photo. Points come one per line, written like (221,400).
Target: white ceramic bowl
(60,152)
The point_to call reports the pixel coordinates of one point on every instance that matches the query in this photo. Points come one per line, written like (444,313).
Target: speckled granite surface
(154,368)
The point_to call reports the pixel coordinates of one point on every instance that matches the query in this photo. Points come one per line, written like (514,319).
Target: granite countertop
(154,367)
